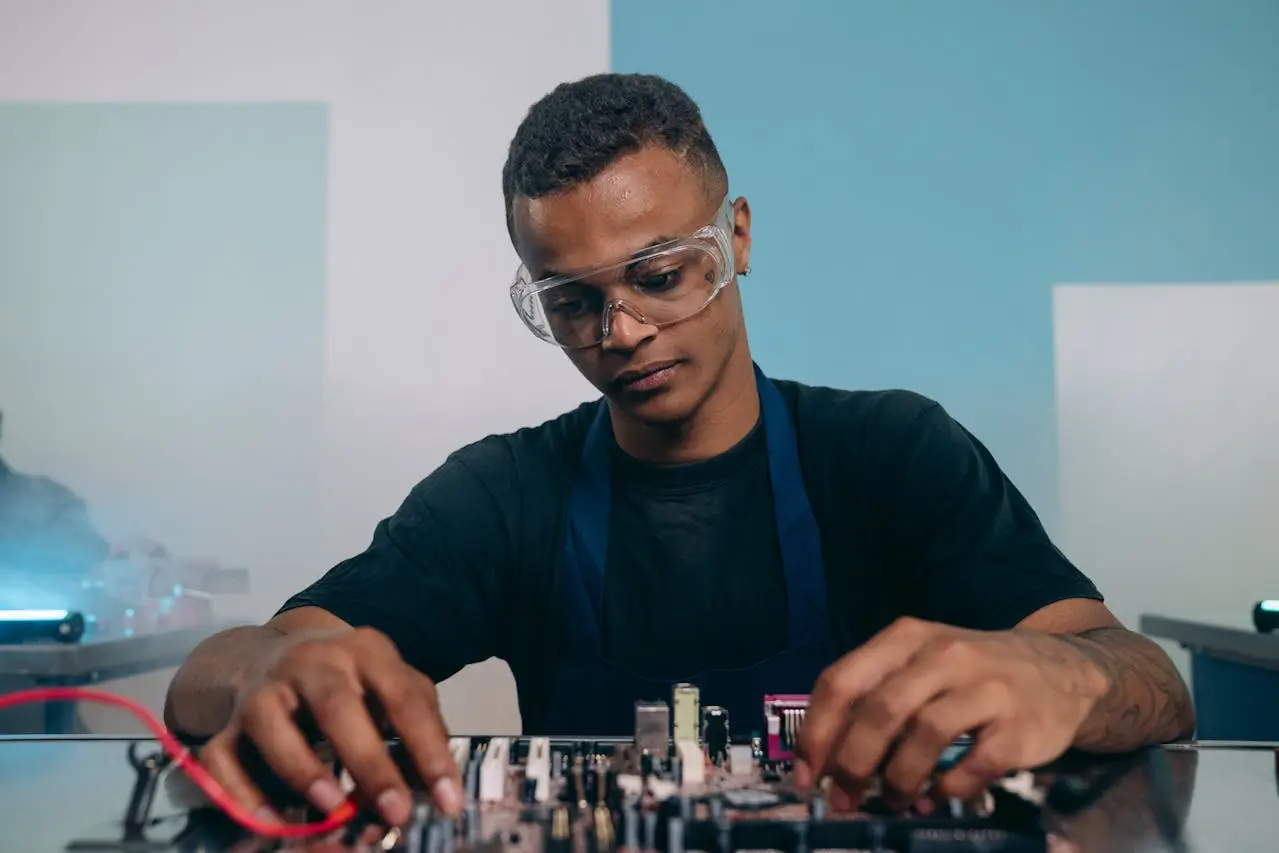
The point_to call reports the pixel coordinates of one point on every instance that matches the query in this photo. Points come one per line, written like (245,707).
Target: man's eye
(567,308)
(659,281)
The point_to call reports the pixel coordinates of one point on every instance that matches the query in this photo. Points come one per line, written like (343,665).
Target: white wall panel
(420,339)
(1168,413)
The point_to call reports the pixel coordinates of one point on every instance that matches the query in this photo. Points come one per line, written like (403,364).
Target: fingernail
(447,794)
(841,800)
(803,775)
(326,794)
(266,814)
(394,806)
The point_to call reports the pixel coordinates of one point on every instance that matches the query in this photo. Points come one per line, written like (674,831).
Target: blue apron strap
(586,541)
(808,619)
(590,506)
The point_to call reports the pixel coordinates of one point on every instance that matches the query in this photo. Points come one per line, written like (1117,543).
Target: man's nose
(627,328)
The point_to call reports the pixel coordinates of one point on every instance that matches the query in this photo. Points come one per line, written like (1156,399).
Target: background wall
(253,285)
(922,174)
(162,336)
(1168,408)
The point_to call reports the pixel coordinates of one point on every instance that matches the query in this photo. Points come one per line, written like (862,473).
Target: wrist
(1097,682)
(1093,677)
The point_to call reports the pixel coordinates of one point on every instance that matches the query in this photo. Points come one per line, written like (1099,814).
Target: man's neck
(727,416)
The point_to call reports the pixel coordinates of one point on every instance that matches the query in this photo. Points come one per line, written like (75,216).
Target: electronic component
(662,789)
(460,747)
(751,798)
(783,718)
(497,758)
(627,759)
(631,785)
(692,764)
(741,759)
(653,728)
(537,768)
(686,702)
(715,733)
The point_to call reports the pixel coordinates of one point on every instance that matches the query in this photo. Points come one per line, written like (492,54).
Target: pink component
(783,716)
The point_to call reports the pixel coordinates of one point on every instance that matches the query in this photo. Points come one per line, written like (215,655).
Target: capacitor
(715,732)
(577,783)
(414,836)
(473,776)
(630,825)
(472,816)
(650,830)
(675,835)
(603,829)
(560,841)
(723,833)
(435,837)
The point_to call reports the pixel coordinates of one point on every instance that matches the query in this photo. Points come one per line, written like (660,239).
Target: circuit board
(671,788)
(542,796)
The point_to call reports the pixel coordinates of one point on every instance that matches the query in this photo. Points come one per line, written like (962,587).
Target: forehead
(643,198)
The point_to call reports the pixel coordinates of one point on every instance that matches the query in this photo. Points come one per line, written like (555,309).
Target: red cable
(212,789)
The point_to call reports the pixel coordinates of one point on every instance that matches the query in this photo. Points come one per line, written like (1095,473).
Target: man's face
(656,375)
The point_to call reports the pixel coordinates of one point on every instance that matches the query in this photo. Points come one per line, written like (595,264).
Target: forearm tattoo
(1147,701)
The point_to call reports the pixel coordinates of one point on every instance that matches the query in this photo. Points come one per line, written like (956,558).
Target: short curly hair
(581,128)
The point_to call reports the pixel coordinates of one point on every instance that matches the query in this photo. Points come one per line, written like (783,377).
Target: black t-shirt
(915,516)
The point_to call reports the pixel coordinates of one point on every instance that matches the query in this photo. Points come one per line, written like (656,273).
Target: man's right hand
(340,680)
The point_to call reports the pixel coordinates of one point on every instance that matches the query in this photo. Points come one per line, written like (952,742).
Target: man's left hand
(890,708)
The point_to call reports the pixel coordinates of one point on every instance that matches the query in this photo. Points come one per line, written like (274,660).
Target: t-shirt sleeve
(433,577)
(976,551)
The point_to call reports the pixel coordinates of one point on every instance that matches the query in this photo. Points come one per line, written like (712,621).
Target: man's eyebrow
(550,272)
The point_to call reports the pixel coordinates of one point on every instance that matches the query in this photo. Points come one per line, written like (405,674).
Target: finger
(841,801)
(934,728)
(876,720)
(847,680)
(410,703)
(995,753)
(337,703)
(220,757)
(268,721)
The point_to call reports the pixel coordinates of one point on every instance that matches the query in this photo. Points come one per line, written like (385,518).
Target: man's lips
(647,378)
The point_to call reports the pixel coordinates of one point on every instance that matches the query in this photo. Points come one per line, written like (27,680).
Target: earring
(746,271)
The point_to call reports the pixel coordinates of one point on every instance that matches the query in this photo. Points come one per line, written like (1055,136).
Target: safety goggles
(658,286)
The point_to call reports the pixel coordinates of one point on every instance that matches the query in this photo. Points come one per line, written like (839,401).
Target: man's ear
(741,234)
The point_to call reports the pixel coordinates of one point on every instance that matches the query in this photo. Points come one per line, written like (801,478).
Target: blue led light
(32,615)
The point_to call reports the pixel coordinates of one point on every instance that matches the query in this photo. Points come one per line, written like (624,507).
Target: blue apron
(591,696)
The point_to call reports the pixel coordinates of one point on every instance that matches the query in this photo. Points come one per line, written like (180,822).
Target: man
(702,522)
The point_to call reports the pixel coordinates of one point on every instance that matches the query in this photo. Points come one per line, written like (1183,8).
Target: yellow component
(686,700)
